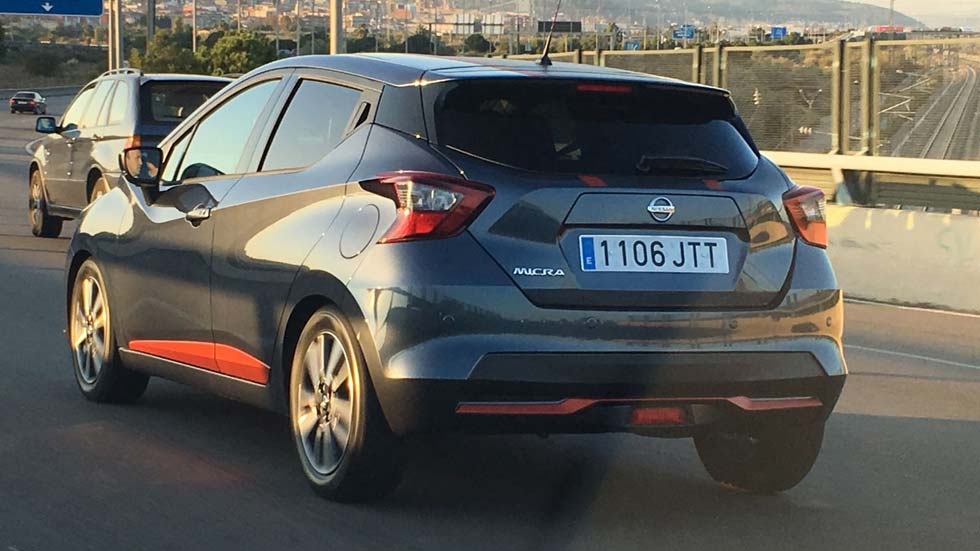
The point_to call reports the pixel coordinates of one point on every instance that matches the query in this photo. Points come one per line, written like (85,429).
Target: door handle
(197,215)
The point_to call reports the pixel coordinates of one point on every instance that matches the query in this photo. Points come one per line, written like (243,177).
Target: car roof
(26,92)
(164,77)
(409,69)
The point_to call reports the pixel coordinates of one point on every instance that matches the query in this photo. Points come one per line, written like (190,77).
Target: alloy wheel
(325,403)
(89,329)
(35,201)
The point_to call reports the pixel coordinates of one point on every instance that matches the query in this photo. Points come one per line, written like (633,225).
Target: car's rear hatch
(625,195)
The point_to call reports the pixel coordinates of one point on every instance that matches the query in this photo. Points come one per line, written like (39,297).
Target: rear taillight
(429,205)
(807,209)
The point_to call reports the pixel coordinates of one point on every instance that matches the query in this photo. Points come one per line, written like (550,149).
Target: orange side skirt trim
(219,358)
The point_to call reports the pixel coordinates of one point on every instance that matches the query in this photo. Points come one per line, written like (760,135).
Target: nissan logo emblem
(661,209)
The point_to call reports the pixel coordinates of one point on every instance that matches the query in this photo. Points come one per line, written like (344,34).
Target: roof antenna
(545,61)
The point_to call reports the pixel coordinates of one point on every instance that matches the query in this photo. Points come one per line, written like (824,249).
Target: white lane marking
(912,308)
(911,356)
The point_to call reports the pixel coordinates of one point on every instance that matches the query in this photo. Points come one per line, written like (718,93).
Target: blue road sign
(685,32)
(91,8)
(632,44)
(778,33)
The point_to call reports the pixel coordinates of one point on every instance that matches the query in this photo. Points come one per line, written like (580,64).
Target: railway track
(956,130)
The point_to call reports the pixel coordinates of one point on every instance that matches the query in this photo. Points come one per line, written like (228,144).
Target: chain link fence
(927,99)
(784,94)
(679,64)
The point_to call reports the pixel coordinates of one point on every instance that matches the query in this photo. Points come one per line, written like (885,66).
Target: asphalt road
(900,468)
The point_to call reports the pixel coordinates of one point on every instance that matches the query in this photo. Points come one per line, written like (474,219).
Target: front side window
(219,141)
(73,115)
(313,124)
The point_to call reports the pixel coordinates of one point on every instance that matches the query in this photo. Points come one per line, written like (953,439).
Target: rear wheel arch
(310,292)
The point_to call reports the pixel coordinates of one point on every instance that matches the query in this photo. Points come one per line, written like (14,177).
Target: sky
(937,13)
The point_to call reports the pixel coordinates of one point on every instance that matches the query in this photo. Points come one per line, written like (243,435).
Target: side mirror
(141,165)
(46,125)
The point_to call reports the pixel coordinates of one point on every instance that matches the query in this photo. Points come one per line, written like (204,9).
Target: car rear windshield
(593,127)
(24,95)
(173,101)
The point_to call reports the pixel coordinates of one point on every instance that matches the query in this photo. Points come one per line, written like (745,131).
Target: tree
(237,52)
(170,52)
(476,43)
(361,40)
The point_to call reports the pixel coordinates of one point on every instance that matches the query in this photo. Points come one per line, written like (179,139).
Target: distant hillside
(830,12)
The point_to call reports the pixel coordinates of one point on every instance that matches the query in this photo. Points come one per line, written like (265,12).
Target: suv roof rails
(122,71)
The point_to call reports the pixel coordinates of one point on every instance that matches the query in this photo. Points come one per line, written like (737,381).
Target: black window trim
(369,96)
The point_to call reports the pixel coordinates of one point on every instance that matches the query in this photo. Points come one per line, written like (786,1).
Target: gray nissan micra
(381,245)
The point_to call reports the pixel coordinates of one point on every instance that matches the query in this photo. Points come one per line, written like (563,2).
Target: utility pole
(891,17)
(117,33)
(338,44)
(110,36)
(276,6)
(298,28)
(194,26)
(151,21)
(313,27)
(239,15)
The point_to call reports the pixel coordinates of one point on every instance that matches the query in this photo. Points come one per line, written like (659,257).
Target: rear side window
(173,101)
(119,103)
(592,127)
(313,124)
(91,115)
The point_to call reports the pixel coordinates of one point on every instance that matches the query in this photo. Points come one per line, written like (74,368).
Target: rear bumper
(25,108)
(442,341)
(583,392)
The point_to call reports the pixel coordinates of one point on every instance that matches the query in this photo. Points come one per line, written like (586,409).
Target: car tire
(329,387)
(42,223)
(99,188)
(766,462)
(99,372)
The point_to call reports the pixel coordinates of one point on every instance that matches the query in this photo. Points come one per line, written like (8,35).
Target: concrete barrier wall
(906,257)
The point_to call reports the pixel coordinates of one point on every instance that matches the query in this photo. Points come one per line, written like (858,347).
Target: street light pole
(239,15)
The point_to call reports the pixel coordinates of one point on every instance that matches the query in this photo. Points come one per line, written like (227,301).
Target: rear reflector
(429,205)
(658,416)
(807,210)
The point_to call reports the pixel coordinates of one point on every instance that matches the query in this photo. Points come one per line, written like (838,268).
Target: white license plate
(654,253)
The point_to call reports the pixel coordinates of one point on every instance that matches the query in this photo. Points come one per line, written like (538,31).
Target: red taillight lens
(429,205)
(807,208)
